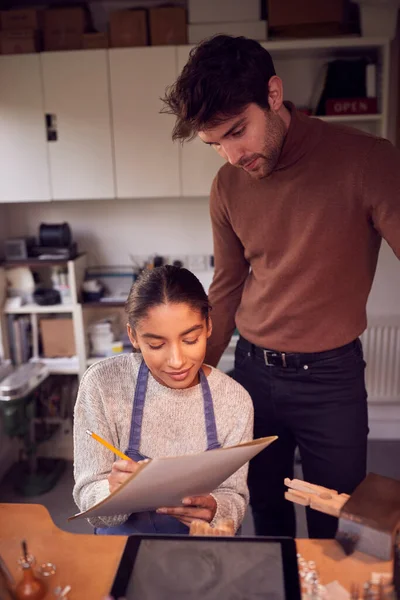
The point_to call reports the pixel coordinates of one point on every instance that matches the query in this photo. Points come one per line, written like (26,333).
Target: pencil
(107,445)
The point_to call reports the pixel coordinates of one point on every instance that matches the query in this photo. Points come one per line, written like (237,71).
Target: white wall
(109,231)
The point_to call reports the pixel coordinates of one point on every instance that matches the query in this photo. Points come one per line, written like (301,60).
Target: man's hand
(195,507)
(121,470)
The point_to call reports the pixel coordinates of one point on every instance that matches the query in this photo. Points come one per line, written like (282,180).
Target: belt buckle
(281,354)
(266,358)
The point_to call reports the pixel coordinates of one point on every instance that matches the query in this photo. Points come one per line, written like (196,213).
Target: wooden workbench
(88,563)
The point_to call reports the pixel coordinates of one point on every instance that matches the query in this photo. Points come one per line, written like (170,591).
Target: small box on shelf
(167,25)
(210,11)
(94,41)
(128,28)
(19,41)
(26,18)
(58,338)
(310,18)
(64,28)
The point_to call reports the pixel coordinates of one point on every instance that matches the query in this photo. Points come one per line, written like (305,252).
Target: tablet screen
(190,569)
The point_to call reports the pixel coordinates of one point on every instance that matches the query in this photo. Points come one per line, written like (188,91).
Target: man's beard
(275,133)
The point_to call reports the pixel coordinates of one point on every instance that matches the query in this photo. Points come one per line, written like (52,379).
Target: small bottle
(30,587)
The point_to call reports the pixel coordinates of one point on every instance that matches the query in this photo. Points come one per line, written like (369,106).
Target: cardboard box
(93,41)
(223,11)
(24,41)
(167,26)
(63,28)
(62,40)
(256,30)
(20,19)
(282,13)
(128,28)
(58,338)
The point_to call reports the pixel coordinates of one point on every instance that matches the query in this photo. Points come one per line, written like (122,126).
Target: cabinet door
(76,92)
(199,162)
(23,147)
(146,159)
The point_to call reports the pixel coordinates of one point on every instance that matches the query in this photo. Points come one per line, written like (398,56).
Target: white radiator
(381,344)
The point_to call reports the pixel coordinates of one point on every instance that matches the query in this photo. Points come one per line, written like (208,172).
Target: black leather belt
(274,358)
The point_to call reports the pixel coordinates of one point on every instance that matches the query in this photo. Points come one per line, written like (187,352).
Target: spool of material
(56,235)
(47,297)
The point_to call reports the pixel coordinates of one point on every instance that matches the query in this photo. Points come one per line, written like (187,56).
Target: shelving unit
(76,269)
(300,62)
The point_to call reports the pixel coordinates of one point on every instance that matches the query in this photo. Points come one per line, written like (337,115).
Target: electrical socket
(197,262)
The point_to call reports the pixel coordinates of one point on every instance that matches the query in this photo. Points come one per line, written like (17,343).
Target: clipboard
(166,481)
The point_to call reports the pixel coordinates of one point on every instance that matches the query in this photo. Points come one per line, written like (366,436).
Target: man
(298,214)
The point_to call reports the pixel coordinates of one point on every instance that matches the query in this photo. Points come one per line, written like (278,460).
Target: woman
(160,401)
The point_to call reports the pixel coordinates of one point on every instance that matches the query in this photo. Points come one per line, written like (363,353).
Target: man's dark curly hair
(222,76)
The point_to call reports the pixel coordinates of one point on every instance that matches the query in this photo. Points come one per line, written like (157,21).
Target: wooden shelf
(37,262)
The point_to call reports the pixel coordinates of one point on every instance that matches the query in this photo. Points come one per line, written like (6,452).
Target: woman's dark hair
(222,76)
(162,285)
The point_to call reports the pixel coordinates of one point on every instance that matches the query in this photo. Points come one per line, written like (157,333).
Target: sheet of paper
(166,481)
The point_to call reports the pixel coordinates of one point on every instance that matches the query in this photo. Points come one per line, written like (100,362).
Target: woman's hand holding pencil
(120,472)
(121,469)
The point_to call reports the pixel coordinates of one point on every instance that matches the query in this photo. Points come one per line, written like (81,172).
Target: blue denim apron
(151,521)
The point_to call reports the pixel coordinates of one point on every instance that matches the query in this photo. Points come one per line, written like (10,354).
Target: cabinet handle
(51,127)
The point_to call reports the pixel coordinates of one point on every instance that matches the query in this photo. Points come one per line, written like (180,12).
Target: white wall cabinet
(76,92)
(146,160)
(112,140)
(199,162)
(23,147)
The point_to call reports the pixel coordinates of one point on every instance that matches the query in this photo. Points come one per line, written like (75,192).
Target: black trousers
(318,402)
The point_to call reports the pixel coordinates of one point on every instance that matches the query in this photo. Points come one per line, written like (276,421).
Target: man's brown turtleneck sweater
(296,252)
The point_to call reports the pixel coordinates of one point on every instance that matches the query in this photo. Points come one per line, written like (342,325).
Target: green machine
(32,475)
